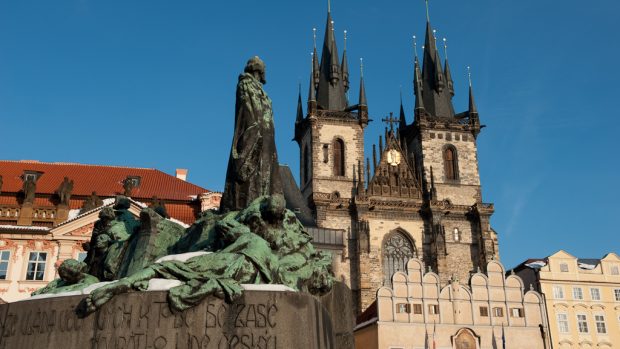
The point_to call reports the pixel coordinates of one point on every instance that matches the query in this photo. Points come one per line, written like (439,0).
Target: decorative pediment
(393,175)
(562,254)
(81,226)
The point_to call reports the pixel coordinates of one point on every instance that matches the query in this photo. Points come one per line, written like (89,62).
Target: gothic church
(419,195)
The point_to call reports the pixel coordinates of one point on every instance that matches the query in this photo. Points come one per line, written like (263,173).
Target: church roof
(294,199)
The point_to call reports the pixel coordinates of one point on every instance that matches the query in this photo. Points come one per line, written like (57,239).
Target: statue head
(72,270)
(256,67)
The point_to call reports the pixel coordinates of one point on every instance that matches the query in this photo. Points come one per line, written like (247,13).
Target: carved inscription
(146,325)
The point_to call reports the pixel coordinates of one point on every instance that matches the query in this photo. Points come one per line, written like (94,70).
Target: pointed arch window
(339,160)
(450,163)
(398,249)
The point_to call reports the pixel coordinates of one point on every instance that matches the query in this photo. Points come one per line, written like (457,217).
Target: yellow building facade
(582,298)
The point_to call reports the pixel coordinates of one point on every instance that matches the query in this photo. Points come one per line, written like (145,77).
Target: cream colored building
(582,298)
(417,307)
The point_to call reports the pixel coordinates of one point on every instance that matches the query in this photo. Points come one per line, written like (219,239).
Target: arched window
(450,163)
(397,251)
(306,164)
(338,149)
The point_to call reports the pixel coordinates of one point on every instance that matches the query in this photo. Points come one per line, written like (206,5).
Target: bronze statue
(253,163)
(29,189)
(64,191)
(159,206)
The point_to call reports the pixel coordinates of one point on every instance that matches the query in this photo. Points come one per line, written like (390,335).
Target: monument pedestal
(143,320)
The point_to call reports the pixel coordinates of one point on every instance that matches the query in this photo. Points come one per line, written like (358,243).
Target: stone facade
(417,311)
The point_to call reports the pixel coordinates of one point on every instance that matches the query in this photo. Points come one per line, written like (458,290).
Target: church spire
(472,103)
(417,80)
(345,65)
(300,110)
(446,69)
(437,99)
(362,101)
(330,89)
(314,77)
(312,87)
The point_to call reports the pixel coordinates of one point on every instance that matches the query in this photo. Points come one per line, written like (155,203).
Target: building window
(582,323)
(450,163)
(403,308)
(614,270)
(600,324)
(417,308)
(34,175)
(306,162)
(433,309)
(564,267)
(397,251)
(516,312)
(339,163)
(596,294)
(563,323)
(498,312)
(484,311)
(36,266)
(457,234)
(577,293)
(82,256)
(4,264)
(558,292)
(617,294)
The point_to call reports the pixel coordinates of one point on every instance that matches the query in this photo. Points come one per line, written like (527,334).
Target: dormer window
(564,267)
(34,175)
(134,181)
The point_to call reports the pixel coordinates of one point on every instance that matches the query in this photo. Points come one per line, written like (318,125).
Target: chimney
(181,174)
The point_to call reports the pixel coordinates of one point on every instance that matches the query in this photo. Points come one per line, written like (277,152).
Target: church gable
(393,175)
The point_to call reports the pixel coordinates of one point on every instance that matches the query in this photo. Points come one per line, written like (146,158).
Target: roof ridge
(76,164)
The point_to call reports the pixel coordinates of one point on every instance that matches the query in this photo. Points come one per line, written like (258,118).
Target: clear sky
(152,84)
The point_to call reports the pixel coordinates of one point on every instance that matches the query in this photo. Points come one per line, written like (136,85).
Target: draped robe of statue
(253,165)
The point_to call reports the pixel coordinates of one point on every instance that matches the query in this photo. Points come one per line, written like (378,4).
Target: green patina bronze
(262,244)
(73,277)
(253,240)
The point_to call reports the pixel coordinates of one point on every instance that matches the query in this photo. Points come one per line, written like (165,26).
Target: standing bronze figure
(253,163)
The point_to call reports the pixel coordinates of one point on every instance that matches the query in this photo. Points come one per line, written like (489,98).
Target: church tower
(331,135)
(417,196)
(443,144)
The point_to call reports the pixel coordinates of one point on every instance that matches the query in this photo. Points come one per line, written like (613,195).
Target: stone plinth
(143,320)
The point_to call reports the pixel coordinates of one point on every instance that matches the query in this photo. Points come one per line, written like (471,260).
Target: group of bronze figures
(253,239)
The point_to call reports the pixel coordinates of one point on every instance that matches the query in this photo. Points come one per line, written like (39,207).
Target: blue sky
(151,84)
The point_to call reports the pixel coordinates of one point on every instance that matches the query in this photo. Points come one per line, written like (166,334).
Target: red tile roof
(105,180)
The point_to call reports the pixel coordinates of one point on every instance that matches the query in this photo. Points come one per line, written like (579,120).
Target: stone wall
(321,137)
(464,190)
(259,319)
